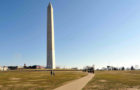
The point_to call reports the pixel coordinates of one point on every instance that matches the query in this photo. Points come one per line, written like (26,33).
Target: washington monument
(50,38)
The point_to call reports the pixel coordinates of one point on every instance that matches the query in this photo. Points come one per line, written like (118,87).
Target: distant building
(4,68)
(74,68)
(57,67)
(103,68)
(20,67)
(34,67)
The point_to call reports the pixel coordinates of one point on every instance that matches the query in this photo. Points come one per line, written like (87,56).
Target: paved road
(76,84)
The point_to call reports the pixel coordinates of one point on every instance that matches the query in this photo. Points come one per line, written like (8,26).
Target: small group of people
(89,70)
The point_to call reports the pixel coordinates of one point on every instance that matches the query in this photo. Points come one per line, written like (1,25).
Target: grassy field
(115,80)
(36,80)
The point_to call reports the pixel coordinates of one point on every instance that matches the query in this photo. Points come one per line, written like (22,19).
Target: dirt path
(76,84)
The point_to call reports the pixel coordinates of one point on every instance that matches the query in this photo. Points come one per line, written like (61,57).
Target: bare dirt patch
(95,86)
(102,80)
(134,88)
(1,86)
(9,85)
(15,78)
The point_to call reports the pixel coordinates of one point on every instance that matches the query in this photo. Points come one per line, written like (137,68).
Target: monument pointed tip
(50,4)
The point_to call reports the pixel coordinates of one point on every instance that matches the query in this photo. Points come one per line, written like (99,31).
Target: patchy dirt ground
(115,80)
(36,80)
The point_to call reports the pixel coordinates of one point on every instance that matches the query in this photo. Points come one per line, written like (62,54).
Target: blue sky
(100,32)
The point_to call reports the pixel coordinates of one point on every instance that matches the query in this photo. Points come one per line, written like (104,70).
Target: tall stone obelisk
(50,38)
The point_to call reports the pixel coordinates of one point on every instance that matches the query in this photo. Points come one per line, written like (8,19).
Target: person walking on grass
(52,73)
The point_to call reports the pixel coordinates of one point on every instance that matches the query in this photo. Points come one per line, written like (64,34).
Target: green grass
(36,80)
(114,80)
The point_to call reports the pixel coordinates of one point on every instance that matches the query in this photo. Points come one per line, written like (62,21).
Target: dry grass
(115,80)
(36,80)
